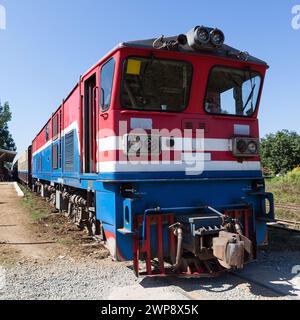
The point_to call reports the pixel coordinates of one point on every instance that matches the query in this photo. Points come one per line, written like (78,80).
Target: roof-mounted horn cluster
(170,44)
(201,37)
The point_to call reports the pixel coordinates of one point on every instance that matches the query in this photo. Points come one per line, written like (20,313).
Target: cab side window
(106,78)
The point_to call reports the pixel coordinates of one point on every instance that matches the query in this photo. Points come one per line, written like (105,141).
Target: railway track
(235,278)
(265,286)
(293,208)
(288,225)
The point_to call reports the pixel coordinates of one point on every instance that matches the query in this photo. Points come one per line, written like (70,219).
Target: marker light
(241,146)
(252,147)
(245,147)
(217,37)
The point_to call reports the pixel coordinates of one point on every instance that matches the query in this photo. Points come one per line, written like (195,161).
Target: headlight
(141,144)
(241,146)
(202,35)
(245,147)
(205,38)
(252,147)
(152,144)
(217,37)
(134,144)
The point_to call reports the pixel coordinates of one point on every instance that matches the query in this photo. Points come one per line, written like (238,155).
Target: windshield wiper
(253,85)
(249,98)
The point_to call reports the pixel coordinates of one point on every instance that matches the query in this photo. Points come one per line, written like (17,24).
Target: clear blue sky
(49,43)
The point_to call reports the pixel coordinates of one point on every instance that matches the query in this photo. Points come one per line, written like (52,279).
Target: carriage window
(106,78)
(232,91)
(156,84)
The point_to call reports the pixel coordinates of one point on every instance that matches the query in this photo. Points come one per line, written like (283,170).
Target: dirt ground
(47,257)
(41,239)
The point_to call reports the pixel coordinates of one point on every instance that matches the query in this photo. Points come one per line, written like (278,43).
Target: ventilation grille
(55,156)
(69,151)
(40,159)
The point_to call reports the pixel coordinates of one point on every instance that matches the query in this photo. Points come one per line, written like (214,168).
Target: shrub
(280,152)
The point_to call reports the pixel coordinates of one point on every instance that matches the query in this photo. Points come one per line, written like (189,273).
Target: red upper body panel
(215,126)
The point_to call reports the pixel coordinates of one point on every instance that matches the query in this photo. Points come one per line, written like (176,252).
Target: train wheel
(94,227)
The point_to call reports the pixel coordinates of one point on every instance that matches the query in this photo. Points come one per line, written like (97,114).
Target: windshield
(156,84)
(232,91)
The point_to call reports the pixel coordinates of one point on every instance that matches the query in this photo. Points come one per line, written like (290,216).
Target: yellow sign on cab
(134,67)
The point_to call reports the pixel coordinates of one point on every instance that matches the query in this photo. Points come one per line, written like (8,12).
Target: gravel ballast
(105,279)
(66,280)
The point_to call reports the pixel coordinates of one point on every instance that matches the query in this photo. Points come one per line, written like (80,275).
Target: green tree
(280,152)
(6,140)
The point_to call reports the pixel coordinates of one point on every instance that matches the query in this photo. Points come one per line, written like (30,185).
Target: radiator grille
(55,156)
(39,163)
(69,151)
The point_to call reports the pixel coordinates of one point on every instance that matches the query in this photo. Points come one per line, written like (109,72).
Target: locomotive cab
(188,104)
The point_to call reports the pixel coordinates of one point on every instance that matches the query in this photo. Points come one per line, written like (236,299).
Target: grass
(65,241)
(286,190)
(56,228)
(35,206)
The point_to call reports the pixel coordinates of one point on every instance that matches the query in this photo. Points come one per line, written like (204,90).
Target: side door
(90,125)
(107,73)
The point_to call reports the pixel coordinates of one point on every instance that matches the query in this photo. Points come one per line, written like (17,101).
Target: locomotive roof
(225,51)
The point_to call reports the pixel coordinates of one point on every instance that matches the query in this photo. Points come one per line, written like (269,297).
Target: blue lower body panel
(118,204)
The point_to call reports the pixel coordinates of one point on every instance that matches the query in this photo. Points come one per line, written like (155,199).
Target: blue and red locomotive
(156,151)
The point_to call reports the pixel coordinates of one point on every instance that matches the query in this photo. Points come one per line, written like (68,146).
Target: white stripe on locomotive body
(115,143)
(45,146)
(180,144)
(155,166)
(72,126)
